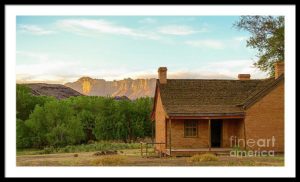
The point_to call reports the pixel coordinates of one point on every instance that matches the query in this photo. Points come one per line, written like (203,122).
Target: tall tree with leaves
(26,102)
(267,36)
(55,124)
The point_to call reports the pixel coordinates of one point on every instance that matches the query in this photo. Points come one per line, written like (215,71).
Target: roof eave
(154,102)
(249,102)
(208,116)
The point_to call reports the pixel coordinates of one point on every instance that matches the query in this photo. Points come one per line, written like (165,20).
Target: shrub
(97,146)
(90,142)
(203,158)
(109,161)
(49,150)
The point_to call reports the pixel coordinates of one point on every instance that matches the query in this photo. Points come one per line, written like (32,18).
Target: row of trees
(45,121)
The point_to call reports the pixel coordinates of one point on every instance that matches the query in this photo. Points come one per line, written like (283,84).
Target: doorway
(216,133)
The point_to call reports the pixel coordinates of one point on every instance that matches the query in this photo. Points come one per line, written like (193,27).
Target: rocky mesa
(132,88)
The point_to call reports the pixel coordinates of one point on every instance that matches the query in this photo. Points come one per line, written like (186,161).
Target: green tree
(24,135)
(144,106)
(26,102)
(105,120)
(267,36)
(134,119)
(55,124)
(38,126)
(124,120)
(51,122)
(87,119)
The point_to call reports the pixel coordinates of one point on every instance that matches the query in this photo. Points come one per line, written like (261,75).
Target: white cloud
(148,21)
(34,29)
(214,44)
(178,74)
(89,26)
(232,68)
(178,30)
(48,69)
(227,69)
(34,56)
(198,75)
(240,38)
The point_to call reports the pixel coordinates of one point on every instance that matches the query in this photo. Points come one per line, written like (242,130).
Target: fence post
(160,153)
(146,150)
(141,149)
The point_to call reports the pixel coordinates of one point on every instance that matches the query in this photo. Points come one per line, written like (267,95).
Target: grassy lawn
(131,157)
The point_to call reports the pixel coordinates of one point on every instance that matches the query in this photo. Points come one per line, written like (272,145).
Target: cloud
(88,26)
(232,68)
(213,44)
(34,56)
(197,75)
(179,74)
(148,21)
(178,30)
(34,29)
(48,69)
(240,38)
(227,69)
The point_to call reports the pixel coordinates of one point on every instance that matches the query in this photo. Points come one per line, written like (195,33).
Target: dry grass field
(131,157)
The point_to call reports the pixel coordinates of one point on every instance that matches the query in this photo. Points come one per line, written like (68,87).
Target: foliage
(26,102)
(49,150)
(105,120)
(87,119)
(55,124)
(45,121)
(24,137)
(98,146)
(267,36)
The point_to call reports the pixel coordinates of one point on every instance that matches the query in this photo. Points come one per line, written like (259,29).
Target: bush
(109,160)
(49,150)
(90,142)
(24,138)
(203,158)
(98,146)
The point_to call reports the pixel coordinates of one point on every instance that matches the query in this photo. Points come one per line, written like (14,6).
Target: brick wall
(232,127)
(160,123)
(179,141)
(265,119)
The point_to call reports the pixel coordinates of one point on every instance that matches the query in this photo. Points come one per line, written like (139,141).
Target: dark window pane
(190,128)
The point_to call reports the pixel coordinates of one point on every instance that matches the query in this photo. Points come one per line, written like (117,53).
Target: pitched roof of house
(196,97)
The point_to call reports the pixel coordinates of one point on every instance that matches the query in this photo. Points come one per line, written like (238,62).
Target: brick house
(200,115)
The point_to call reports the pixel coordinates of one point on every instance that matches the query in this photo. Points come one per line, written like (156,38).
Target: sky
(60,49)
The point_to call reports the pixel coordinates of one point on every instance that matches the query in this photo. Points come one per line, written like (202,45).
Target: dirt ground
(132,158)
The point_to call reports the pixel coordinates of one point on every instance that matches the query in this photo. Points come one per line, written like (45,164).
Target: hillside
(55,90)
(128,87)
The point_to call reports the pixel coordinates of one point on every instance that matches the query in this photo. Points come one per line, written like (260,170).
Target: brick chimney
(279,69)
(162,75)
(244,76)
